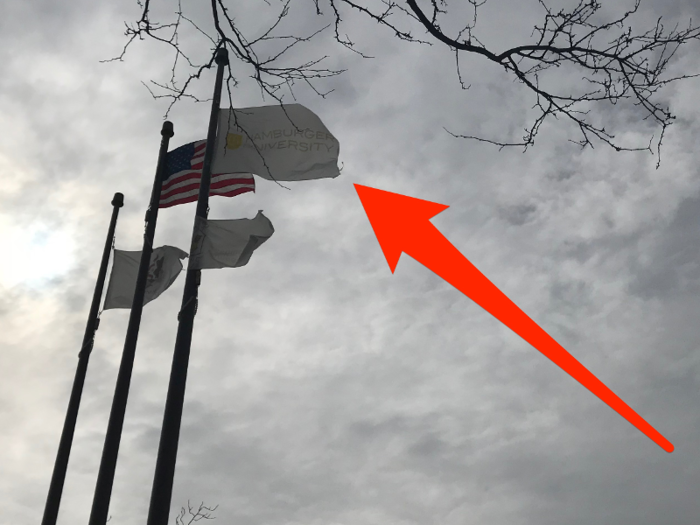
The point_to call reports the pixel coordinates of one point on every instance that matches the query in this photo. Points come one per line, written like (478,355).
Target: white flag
(164,269)
(230,243)
(283,143)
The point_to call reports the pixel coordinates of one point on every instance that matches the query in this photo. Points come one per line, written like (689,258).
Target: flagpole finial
(118,200)
(167,130)
(221,56)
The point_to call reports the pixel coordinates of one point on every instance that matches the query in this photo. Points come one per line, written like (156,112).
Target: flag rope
(184,306)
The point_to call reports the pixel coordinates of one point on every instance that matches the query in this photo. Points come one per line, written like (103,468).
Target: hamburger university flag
(282,142)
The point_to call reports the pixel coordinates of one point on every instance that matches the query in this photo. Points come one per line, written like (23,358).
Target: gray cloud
(322,388)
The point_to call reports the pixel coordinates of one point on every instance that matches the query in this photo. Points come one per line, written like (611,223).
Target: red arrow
(402,224)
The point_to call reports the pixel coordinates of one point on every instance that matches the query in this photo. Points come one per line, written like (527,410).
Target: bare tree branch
(191,515)
(615,63)
(627,67)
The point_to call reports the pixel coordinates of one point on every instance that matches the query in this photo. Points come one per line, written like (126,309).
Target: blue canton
(178,160)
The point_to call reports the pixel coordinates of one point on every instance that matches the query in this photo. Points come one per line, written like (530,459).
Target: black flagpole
(105,476)
(161,492)
(53,500)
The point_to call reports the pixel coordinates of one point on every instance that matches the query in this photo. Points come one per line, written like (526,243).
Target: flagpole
(53,500)
(105,476)
(161,493)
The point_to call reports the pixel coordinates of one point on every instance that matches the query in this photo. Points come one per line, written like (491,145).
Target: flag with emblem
(183,173)
(165,266)
(281,142)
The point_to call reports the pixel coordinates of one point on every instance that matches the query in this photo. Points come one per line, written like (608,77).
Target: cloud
(323,389)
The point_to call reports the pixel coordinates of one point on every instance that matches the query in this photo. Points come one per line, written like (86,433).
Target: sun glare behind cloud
(33,255)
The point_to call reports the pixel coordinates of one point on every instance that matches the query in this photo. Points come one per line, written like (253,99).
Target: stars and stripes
(183,173)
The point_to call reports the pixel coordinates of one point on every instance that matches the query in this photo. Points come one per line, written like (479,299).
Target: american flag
(183,173)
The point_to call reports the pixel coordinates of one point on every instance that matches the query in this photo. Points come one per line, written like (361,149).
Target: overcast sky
(322,389)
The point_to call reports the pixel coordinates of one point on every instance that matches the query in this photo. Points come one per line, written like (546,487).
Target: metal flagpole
(105,476)
(161,492)
(53,500)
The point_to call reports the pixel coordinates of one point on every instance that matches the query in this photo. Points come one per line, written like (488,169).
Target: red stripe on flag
(230,182)
(233,193)
(195,179)
(186,183)
(181,189)
(181,177)
(192,198)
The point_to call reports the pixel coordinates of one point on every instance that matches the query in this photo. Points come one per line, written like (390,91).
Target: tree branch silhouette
(191,515)
(616,63)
